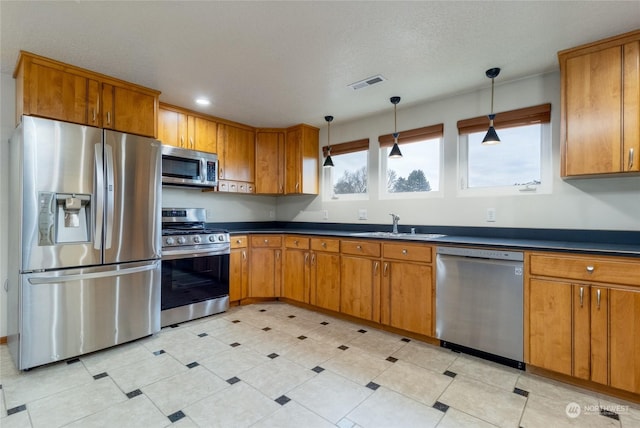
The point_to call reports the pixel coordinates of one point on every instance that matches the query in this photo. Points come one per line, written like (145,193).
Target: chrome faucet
(395,222)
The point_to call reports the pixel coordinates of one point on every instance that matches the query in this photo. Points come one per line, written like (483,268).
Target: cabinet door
(624,330)
(582,331)
(265,273)
(593,112)
(550,325)
(631,106)
(237,161)
(205,135)
(133,112)
(407,297)
(359,287)
(57,94)
(325,280)
(295,284)
(169,127)
(301,160)
(238,274)
(93,103)
(270,162)
(293,161)
(599,334)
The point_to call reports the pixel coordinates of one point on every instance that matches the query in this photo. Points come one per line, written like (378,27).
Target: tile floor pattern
(277,365)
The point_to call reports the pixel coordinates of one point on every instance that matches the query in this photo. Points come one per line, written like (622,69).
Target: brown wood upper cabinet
(270,172)
(55,90)
(182,128)
(301,160)
(600,97)
(236,154)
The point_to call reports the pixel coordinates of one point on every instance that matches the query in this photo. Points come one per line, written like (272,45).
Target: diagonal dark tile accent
(160,352)
(404,339)
(202,335)
(282,400)
(324,323)
(610,414)
(234,344)
(175,417)
(292,316)
(134,393)
(233,380)
(318,369)
(521,392)
(16,409)
(440,406)
(373,386)
(192,365)
(266,328)
(273,355)
(263,310)
(302,337)
(73,361)
(100,375)
(343,347)
(449,373)
(362,331)
(235,321)
(392,359)
(174,325)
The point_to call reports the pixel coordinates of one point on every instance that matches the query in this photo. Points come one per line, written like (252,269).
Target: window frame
(361,145)
(409,136)
(539,114)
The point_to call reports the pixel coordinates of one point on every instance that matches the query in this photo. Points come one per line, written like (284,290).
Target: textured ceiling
(275,64)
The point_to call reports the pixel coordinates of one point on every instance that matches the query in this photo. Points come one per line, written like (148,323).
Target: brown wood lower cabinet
(325,273)
(585,329)
(238,268)
(265,273)
(360,279)
(296,269)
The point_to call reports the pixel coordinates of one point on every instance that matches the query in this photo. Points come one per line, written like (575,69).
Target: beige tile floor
(277,365)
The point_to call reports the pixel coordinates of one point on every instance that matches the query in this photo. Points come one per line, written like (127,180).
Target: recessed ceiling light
(202,101)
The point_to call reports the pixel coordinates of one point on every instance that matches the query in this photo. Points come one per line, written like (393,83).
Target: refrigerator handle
(108,150)
(93,275)
(99,203)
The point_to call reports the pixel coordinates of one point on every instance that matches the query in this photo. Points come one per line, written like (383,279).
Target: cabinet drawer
(239,241)
(361,248)
(325,244)
(296,242)
(266,241)
(403,251)
(585,268)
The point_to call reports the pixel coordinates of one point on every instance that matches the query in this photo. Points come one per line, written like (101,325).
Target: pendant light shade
(395,150)
(492,136)
(328,162)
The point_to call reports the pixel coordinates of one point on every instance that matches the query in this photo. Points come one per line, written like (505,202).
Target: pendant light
(492,136)
(395,150)
(328,162)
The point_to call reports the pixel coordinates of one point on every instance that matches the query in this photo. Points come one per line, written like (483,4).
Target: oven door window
(194,279)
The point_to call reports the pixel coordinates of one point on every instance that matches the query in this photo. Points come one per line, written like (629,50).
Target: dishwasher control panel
(481,253)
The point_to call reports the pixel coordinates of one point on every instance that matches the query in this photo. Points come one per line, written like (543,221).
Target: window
(519,164)
(348,179)
(418,172)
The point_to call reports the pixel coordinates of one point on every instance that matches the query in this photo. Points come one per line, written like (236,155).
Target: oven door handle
(184,254)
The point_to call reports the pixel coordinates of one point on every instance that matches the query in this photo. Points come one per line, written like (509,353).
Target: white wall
(603,203)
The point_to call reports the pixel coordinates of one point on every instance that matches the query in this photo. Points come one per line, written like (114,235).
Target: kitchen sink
(391,235)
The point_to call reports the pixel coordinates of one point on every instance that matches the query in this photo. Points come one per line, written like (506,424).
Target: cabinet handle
(297,186)
(93,114)
(266,241)
(182,141)
(375,268)
(359,247)
(598,299)
(221,173)
(324,245)
(590,269)
(191,144)
(404,251)
(581,296)
(296,242)
(108,118)
(306,258)
(631,158)
(313,260)
(238,241)
(386,268)
(244,255)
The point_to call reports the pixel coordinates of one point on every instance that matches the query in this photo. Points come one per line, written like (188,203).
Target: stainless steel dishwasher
(479,306)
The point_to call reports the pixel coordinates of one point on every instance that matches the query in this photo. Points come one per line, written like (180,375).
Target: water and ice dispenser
(63,218)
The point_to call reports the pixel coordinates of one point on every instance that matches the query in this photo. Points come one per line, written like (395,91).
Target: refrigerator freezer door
(71,312)
(58,173)
(132,229)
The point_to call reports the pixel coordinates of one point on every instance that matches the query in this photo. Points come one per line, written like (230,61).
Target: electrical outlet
(209,214)
(491,215)
(325,214)
(362,214)
(272,214)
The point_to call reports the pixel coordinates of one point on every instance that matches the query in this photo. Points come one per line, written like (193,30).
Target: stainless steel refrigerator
(85,240)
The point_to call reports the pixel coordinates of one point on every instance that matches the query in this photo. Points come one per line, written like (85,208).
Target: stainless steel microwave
(189,168)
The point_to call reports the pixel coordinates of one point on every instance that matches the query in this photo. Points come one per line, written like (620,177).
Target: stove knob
(220,237)
(212,238)
(181,240)
(170,241)
(196,239)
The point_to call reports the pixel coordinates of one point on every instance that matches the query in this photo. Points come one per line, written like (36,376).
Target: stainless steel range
(195,266)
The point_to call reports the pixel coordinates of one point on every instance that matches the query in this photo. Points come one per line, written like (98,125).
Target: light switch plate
(362,214)
(491,215)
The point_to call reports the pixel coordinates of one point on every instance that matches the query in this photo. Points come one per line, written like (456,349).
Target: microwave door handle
(99,207)
(110,198)
(203,170)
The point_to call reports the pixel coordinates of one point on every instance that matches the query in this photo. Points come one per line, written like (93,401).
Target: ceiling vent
(367,82)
